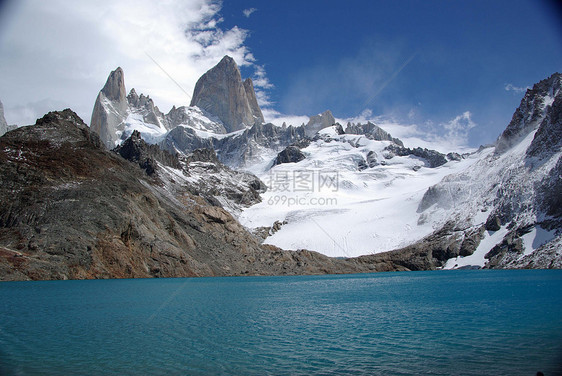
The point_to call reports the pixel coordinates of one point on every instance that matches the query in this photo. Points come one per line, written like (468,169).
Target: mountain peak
(221,92)
(531,112)
(110,109)
(227,61)
(114,88)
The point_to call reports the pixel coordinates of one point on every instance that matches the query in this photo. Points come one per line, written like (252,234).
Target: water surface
(433,323)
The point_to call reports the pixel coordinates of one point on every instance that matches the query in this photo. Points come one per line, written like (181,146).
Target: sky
(444,71)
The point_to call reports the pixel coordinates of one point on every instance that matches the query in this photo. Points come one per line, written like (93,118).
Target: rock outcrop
(185,140)
(136,150)
(291,154)
(432,158)
(372,132)
(222,93)
(318,122)
(257,144)
(144,106)
(3,123)
(260,143)
(73,210)
(430,253)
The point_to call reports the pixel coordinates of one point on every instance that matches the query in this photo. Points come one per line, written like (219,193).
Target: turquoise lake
(470,322)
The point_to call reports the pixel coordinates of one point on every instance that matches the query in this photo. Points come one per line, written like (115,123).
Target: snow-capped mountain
(360,191)
(116,115)
(497,207)
(199,172)
(350,195)
(513,193)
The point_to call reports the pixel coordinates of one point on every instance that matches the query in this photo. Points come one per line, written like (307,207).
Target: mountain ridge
(78,211)
(169,201)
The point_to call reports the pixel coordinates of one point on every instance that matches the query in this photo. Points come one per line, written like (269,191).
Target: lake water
(415,323)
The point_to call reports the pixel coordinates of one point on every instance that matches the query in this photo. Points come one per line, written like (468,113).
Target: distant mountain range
(212,189)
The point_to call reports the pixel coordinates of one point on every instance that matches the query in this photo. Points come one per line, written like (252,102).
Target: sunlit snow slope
(332,206)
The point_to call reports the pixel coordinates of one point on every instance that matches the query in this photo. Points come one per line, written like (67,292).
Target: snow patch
(535,239)
(490,240)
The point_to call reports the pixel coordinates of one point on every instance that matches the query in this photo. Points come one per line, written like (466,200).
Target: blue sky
(452,68)
(456,56)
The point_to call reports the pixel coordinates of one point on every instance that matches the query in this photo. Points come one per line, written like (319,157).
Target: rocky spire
(252,100)
(110,109)
(222,93)
(3,123)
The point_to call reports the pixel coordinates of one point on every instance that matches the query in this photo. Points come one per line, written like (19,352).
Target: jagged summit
(531,112)
(222,93)
(116,114)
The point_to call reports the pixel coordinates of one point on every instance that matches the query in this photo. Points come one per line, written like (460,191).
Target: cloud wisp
(359,77)
(248,12)
(516,89)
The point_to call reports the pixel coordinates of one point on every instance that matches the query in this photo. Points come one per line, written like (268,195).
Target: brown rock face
(222,93)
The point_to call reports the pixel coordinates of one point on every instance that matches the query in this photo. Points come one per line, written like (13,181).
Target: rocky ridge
(262,144)
(531,112)
(73,210)
(199,172)
(514,191)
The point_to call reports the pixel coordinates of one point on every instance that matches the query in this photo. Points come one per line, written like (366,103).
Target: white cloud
(248,12)
(460,125)
(277,118)
(261,85)
(515,89)
(260,77)
(62,51)
(262,98)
